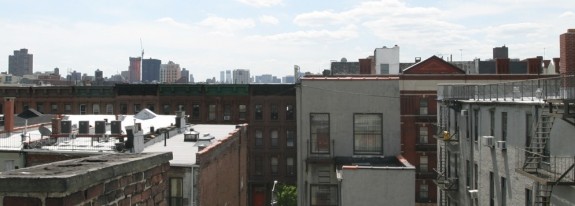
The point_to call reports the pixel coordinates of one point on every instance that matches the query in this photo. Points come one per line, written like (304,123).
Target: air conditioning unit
(488,141)
(464,113)
(227,117)
(472,193)
(501,145)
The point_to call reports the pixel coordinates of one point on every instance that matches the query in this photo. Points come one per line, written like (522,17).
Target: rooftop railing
(558,88)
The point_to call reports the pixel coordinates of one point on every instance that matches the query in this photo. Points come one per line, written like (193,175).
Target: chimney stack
(9,114)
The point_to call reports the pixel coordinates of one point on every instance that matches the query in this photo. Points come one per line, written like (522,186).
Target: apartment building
(349,145)
(507,143)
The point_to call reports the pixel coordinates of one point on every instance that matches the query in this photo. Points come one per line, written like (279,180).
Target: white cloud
(320,18)
(261,3)
(313,36)
(172,22)
(567,14)
(267,19)
(227,24)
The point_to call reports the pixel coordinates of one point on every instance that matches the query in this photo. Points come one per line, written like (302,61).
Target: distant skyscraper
(184,74)
(170,72)
(501,52)
(567,52)
(192,79)
(151,70)
(99,77)
(241,76)
(20,63)
(222,77)
(135,69)
(228,76)
(288,79)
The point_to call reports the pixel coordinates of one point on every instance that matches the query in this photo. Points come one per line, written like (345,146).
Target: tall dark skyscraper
(185,75)
(20,63)
(151,70)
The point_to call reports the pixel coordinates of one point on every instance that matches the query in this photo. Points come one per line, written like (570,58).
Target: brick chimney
(9,114)
(56,127)
(556,64)
(534,65)
(502,66)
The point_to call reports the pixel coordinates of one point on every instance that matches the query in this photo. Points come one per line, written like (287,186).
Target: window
(492,122)
(150,107)
(290,112)
(227,112)
(54,108)
(96,108)
(259,166)
(274,112)
(290,138)
(528,197)
(109,108)
(176,192)
(68,108)
(367,129)
(423,191)
(503,126)
(82,109)
(212,112)
(290,169)
(166,109)
(384,69)
(274,165)
(423,135)
(274,138)
(196,111)
(503,192)
(476,125)
(40,107)
(423,164)
(324,195)
(259,138)
(137,108)
(491,189)
(423,106)
(242,111)
(467,173)
(476,176)
(259,113)
(528,129)
(319,126)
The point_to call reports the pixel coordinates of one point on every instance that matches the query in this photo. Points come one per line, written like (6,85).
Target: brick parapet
(128,180)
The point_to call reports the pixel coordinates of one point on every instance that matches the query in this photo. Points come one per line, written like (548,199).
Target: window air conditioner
(227,117)
(501,145)
(488,141)
(472,193)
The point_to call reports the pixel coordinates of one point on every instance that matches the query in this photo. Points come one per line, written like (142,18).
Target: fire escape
(446,180)
(537,163)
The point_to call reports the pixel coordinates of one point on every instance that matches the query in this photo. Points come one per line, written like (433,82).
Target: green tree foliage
(286,195)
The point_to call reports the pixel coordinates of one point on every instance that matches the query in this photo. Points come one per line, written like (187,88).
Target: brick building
(268,109)
(567,52)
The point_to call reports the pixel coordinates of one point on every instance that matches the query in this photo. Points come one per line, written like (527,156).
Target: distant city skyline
(271,36)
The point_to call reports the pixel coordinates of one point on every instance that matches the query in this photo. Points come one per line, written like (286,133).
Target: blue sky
(270,36)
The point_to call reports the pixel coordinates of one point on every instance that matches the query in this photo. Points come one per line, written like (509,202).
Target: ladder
(536,153)
(543,195)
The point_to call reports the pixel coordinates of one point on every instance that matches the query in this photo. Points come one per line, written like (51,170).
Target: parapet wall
(113,179)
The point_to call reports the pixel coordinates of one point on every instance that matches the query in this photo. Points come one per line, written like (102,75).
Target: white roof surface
(13,142)
(184,153)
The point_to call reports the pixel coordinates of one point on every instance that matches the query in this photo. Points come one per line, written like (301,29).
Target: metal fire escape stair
(536,156)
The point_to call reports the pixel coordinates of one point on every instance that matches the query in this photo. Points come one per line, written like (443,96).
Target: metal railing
(526,90)
(551,168)
(16,141)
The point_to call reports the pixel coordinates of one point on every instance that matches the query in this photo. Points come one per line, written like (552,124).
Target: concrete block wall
(115,179)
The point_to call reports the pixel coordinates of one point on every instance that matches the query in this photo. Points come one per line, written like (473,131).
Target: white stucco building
(387,60)
(507,143)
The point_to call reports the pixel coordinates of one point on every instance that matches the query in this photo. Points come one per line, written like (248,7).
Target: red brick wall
(223,171)
(33,159)
(148,187)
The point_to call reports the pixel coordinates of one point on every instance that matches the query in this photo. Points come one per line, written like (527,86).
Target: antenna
(142,47)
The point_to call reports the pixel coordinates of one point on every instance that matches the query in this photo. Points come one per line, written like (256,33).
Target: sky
(271,36)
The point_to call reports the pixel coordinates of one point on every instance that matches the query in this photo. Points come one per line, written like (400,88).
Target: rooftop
(185,152)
